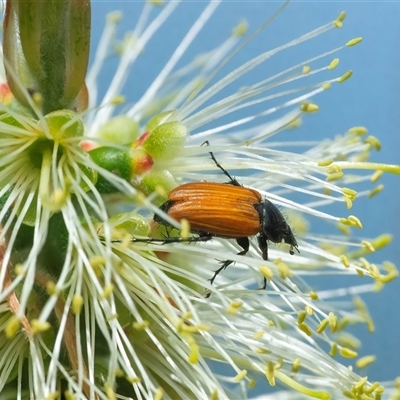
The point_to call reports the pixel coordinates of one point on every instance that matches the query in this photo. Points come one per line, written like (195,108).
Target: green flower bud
(120,130)
(161,182)
(158,119)
(129,222)
(166,141)
(64,124)
(114,160)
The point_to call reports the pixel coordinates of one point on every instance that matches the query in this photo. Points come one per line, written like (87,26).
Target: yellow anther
(19,270)
(313,295)
(363,362)
(214,395)
(279,363)
(351,221)
(187,315)
(344,260)
(306,69)
(323,324)
(379,390)
(240,376)
(359,386)
(375,191)
(391,276)
(117,100)
(262,350)
(68,395)
(271,323)
(270,373)
(119,373)
(389,267)
(343,323)
(133,379)
(325,163)
(77,304)
(358,130)
(107,290)
(53,396)
(267,272)
(12,326)
(326,86)
(376,176)
(194,352)
(158,395)
(301,317)
(351,193)
(283,269)
(375,273)
(347,353)
(335,176)
(258,335)
(185,228)
(365,263)
(309,310)
(37,99)
(333,321)
(345,76)
(341,16)
(232,310)
(141,326)
(305,328)
(349,395)
(39,326)
(348,202)
(236,304)
(360,272)
(51,288)
(240,29)
(333,350)
(374,142)
(309,107)
(188,328)
(333,168)
(372,388)
(202,327)
(252,383)
(114,17)
(296,365)
(354,41)
(338,23)
(368,245)
(334,63)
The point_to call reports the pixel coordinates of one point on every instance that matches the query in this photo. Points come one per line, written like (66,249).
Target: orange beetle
(227,210)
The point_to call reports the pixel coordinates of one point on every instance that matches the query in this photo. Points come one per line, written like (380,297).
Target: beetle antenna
(233,180)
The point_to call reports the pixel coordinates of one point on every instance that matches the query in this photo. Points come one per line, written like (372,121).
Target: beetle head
(274,226)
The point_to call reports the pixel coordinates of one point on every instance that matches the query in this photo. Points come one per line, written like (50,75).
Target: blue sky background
(370,98)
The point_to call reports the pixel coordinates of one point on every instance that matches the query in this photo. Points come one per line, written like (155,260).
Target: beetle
(227,210)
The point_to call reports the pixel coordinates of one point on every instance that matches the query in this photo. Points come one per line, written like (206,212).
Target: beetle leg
(168,239)
(244,244)
(263,245)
